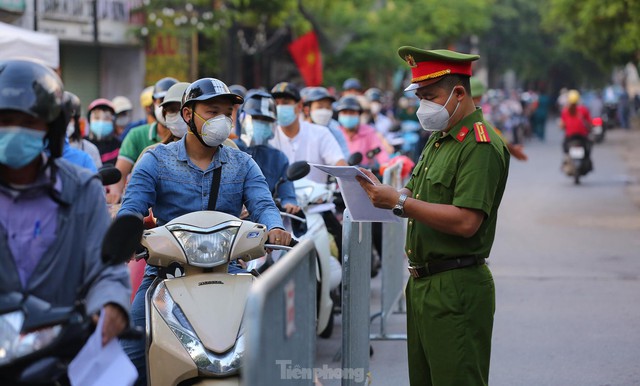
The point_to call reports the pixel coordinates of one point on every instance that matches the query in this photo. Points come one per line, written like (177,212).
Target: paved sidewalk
(627,144)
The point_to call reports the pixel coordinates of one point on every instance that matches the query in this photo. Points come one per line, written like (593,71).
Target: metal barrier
(393,263)
(356,288)
(280,322)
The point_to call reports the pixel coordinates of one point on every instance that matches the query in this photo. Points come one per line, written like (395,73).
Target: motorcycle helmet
(259,104)
(162,86)
(146,97)
(208,88)
(573,97)
(352,84)
(121,104)
(373,95)
(286,90)
(102,103)
(71,105)
(316,94)
(34,89)
(348,102)
(175,93)
(238,89)
(477,87)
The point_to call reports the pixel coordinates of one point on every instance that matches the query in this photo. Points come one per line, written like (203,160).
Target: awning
(16,42)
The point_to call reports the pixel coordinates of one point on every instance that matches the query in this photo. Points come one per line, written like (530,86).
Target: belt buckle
(414,272)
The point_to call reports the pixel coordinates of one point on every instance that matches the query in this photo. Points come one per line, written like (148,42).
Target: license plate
(576,152)
(597,130)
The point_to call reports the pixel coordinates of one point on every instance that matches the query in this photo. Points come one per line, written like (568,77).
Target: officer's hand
(381,196)
(291,209)
(279,237)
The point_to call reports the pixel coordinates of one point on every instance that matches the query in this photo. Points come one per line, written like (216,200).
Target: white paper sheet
(355,198)
(96,365)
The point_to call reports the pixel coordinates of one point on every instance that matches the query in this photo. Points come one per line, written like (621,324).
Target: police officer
(451,201)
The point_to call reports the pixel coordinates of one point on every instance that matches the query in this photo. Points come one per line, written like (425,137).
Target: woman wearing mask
(101,115)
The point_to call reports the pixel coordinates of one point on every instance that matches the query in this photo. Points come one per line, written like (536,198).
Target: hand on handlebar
(291,208)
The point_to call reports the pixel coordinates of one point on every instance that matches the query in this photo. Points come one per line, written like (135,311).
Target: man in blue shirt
(175,179)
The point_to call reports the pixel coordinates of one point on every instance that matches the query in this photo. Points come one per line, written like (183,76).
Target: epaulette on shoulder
(480,130)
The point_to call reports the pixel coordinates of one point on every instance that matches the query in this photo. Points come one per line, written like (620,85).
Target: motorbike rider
(178,178)
(74,132)
(257,116)
(124,114)
(70,103)
(576,123)
(101,115)
(54,214)
(360,137)
(317,102)
(379,120)
(300,140)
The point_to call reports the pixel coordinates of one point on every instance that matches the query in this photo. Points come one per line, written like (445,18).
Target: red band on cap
(435,69)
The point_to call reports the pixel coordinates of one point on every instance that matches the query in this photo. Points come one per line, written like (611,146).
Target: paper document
(96,365)
(355,198)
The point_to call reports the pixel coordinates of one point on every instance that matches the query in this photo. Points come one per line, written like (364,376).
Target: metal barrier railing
(280,322)
(356,288)
(393,263)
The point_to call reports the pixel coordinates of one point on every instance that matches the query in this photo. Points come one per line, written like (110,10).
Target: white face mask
(216,130)
(158,114)
(433,116)
(321,116)
(176,124)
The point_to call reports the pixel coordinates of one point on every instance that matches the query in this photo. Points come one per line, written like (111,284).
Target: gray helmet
(286,90)
(351,84)
(208,88)
(162,86)
(348,102)
(238,89)
(259,103)
(175,93)
(316,94)
(373,94)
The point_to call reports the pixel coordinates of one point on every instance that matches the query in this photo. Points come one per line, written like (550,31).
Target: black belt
(434,267)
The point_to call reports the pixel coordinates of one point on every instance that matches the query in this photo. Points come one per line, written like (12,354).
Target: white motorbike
(194,308)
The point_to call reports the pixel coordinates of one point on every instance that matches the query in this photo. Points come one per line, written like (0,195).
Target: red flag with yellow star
(306,53)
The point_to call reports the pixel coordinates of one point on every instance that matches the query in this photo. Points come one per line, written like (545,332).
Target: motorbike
(598,130)
(576,163)
(194,307)
(39,340)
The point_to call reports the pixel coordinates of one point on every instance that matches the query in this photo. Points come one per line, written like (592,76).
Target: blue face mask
(20,145)
(286,114)
(350,122)
(262,132)
(101,129)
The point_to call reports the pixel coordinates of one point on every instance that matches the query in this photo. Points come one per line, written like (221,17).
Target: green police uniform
(450,314)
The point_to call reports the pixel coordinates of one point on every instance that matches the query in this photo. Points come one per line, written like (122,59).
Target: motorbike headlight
(208,363)
(14,345)
(206,248)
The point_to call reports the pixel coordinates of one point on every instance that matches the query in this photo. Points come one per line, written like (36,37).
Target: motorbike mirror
(109,175)
(298,170)
(122,239)
(355,159)
(373,152)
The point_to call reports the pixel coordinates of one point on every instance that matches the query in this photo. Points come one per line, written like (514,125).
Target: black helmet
(316,94)
(259,103)
(70,106)
(374,95)
(30,87)
(208,88)
(348,102)
(351,84)
(162,86)
(286,90)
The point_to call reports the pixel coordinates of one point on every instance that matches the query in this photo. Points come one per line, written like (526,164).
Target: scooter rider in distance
(54,214)
(198,173)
